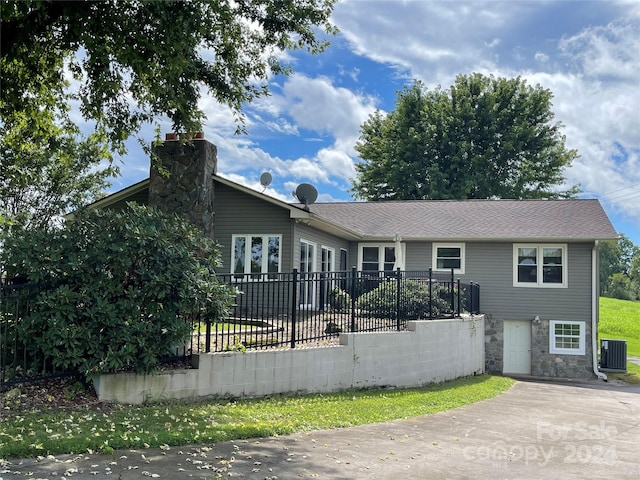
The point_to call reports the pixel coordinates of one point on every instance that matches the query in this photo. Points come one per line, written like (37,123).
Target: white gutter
(595,311)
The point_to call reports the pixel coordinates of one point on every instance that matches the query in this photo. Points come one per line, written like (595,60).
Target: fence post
(458,314)
(471,304)
(398,281)
(430,294)
(294,307)
(477,298)
(207,341)
(453,298)
(353,299)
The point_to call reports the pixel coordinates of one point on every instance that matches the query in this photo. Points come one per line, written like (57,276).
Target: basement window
(566,338)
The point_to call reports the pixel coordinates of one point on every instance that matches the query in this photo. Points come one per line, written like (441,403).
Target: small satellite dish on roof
(265,179)
(306,194)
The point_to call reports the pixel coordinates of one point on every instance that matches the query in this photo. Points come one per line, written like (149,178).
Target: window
(307,256)
(566,337)
(447,256)
(327,266)
(540,265)
(374,258)
(327,257)
(343,259)
(307,295)
(256,253)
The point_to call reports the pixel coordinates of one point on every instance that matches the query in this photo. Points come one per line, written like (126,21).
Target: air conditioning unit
(613,355)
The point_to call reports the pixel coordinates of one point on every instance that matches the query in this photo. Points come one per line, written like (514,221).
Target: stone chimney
(186,186)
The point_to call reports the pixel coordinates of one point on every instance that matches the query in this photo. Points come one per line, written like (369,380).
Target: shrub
(120,287)
(382,302)
(339,300)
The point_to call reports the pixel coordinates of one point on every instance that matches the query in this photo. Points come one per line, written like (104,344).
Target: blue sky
(586,53)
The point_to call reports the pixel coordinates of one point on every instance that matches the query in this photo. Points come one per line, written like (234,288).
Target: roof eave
(408,238)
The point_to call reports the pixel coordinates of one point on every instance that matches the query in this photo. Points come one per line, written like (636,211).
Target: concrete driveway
(534,431)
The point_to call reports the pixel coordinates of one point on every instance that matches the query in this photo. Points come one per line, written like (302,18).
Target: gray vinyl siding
(237,213)
(491,265)
(353,255)
(418,256)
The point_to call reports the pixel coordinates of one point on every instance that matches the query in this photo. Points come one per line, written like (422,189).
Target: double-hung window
(375,258)
(566,337)
(539,265)
(256,254)
(447,256)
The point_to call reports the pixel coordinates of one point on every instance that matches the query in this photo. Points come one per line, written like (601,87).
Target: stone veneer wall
(543,363)
(493,344)
(188,189)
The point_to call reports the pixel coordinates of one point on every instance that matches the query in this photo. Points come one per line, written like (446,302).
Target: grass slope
(620,319)
(80,431)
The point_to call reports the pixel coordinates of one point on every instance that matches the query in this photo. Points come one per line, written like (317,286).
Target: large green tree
(121,64)
(620,269)
(484,137)
(133,60)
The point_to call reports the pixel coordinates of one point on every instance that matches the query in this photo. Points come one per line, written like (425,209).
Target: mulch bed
(53,394)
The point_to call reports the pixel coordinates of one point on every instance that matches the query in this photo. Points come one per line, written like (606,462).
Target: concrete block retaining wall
(429,352)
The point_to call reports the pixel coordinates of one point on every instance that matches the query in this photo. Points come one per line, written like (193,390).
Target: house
(536,260)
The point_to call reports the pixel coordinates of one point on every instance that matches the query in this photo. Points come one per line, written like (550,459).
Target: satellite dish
(265,180)
(307,194)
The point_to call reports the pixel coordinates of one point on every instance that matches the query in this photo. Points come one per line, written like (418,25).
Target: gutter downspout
(595,311)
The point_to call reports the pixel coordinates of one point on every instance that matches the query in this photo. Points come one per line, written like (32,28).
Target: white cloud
(255,185)
(593,72)
(316,104)
(609,51)
(541,57)
(336,162)
(433,40)
(598,101)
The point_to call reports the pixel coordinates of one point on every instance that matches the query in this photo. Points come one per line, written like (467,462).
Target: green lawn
(620,319)
(44,433)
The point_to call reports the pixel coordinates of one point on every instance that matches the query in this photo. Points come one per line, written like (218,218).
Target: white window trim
(434,257)
(309,287)
(539,247)
(381,247)
(314,259)
(332,266)
(247,252)
(566,351)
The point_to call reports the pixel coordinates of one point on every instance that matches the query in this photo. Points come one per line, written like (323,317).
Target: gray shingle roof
(472,219)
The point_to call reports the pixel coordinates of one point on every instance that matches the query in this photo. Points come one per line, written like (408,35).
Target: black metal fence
(283,310)
(19,361)
(290,309)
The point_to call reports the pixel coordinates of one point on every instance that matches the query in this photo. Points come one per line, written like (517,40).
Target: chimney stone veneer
(188,190)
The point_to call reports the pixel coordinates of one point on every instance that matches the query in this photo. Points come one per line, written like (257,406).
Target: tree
(485,137)
(47,168)
(134,60)
(622,287)
(118,289)
(619,269)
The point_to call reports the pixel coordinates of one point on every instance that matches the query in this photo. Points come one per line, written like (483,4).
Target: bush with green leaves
(382,302)
(120,287)
(339,300)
